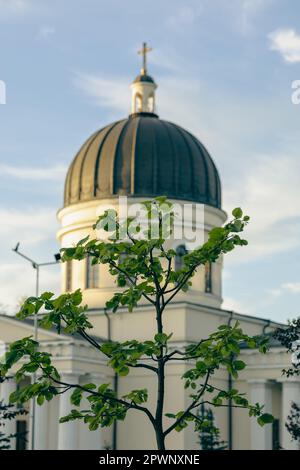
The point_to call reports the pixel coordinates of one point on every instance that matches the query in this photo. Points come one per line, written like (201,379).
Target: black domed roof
(143,77)
(143,156)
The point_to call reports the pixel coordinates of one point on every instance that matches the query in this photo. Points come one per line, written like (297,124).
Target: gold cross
(144,52)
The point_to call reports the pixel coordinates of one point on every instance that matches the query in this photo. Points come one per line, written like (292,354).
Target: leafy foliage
(290,338)
(293,422)
(8,413)
(143,267)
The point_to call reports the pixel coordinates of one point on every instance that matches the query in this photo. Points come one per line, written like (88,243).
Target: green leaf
(47,295)
(237,213)
(83,240)
(123,371)
(239,365)
(76,397)
(170,415)
(90,386)
(40,399)
(265,418)
(237,226)
(161,338)
(77,297)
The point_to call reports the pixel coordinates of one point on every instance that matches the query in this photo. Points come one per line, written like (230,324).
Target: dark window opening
(275,435)
(208,277)
(21,435)
(180,252)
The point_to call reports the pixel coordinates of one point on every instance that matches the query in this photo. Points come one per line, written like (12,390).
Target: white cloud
(249,10)
(268,193)
(17,281)
(285,289)
(243,13)
(10,8)
(235,305)
(287,43)
(184,16)
(54,173)
(14,4)
(292,287)
(108,92)
(35,229)
(30,226)
(166,59)
(46,31)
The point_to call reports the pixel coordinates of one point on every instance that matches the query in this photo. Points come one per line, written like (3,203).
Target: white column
(41,426)
(8,387)
(90,440)
(261,392)
(290,393)
(68,438)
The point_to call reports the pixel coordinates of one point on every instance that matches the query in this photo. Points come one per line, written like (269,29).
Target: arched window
(208,277)
(69,274)
(151,104)
(92,274)
(180,252)
(138,103)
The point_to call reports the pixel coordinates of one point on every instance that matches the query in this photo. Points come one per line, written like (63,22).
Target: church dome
(143,156)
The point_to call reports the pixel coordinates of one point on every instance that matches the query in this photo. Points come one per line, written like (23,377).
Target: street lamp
(37,267)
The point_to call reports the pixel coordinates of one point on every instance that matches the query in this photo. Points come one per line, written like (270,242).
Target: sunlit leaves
(123,355)
(137,396)
(141,265)
(220,349)
(143,268)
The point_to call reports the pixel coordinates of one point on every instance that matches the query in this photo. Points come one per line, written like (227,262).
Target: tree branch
(130,280)
(102,395)
(191,407)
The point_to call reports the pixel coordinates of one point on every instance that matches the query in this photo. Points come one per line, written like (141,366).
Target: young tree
(8,413)
(142,265)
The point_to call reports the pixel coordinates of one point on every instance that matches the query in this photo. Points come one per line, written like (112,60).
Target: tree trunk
(160,438)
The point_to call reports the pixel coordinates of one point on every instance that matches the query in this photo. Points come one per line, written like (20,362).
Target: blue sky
(224,71)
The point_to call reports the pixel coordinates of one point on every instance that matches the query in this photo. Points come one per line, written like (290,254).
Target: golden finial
(145,49)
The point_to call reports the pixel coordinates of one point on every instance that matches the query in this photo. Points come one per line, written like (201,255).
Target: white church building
(141,157)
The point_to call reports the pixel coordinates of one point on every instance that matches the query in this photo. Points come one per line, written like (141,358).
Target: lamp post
(37,267)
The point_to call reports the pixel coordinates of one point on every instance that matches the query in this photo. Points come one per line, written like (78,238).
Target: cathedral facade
(142,157)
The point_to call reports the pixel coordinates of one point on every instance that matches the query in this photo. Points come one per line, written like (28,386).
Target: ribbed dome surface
(143,156)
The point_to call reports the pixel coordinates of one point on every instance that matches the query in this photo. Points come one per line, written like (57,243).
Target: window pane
(180,252)
(69,275)
(208,277)
(92,274)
